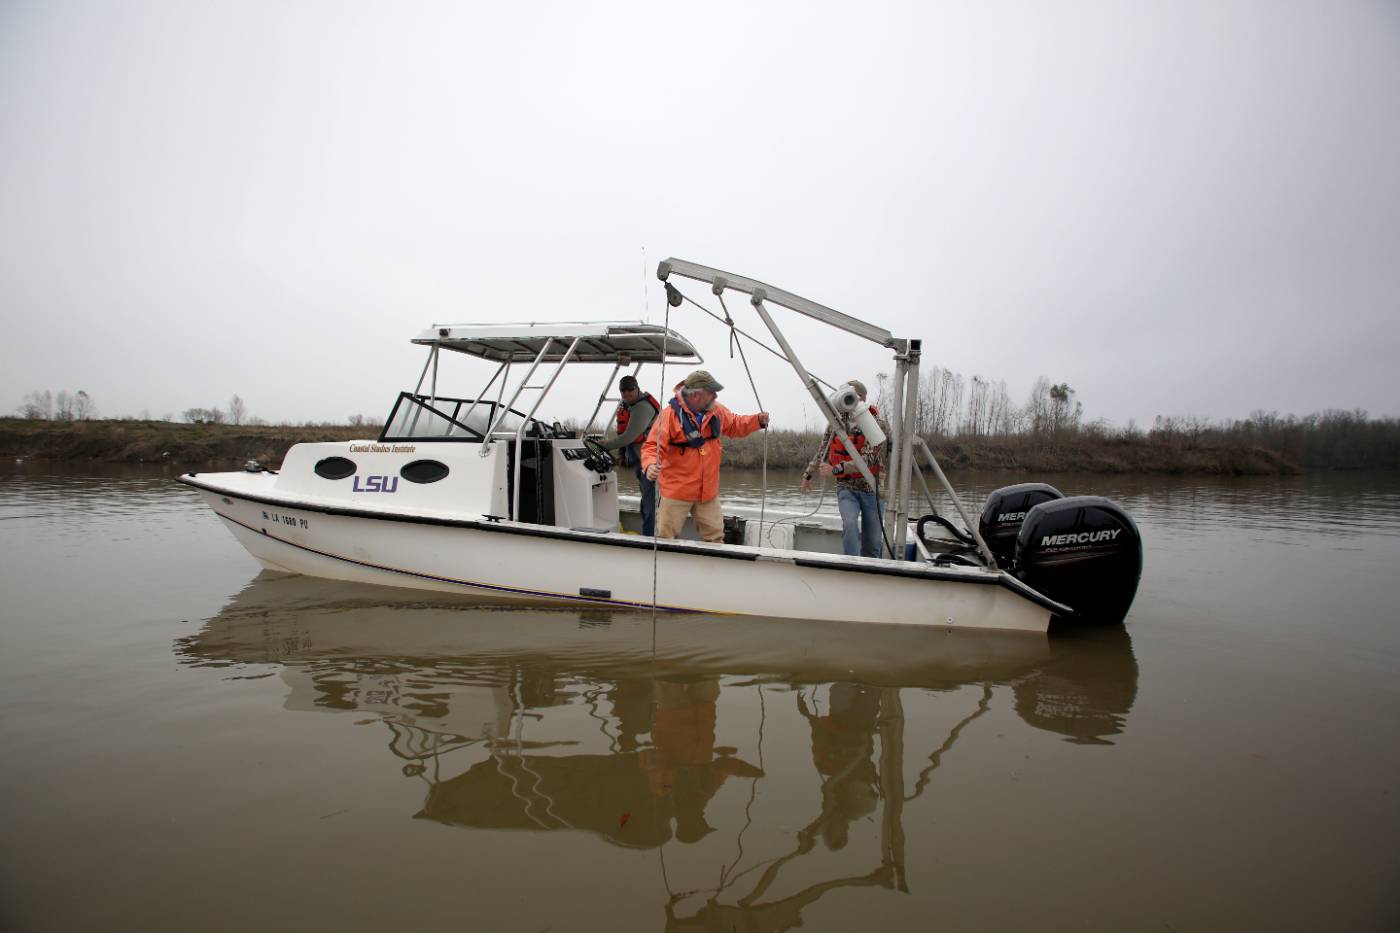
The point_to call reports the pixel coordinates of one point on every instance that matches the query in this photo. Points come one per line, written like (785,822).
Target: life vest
(837,453)
(624,413)
(693,435)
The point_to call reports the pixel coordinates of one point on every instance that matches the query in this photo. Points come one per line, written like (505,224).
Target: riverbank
(225,445)
(161,441)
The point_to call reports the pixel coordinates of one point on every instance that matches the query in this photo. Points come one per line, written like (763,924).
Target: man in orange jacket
(684,450)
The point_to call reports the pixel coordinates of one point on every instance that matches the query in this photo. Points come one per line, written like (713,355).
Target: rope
(743,333)
(880,508)
(724,878)
(821,499)
(656,522)
(733,339)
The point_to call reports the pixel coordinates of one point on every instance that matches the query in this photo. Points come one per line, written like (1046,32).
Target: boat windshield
(423,418)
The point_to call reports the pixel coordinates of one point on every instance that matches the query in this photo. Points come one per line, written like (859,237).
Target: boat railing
(544,391)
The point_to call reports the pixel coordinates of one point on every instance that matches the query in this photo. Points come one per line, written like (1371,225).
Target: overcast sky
(1177,207)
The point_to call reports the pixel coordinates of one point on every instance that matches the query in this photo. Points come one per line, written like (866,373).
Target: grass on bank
(161,441)
(222,445)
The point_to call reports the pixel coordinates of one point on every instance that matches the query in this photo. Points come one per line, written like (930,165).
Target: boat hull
(518,562)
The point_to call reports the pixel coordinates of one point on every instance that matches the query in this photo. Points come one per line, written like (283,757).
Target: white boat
(481,496)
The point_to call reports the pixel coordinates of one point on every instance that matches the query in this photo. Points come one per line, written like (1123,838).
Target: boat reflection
(531,719)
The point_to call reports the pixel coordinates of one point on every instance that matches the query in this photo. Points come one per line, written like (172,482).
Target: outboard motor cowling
(1003,513)
(1083,551)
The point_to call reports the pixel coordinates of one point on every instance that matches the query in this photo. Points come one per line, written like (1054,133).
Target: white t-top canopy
(598,341)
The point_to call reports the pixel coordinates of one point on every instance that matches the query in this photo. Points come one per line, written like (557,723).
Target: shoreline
(225,445)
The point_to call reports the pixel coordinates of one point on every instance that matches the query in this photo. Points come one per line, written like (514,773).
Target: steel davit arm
(823,403)
(721,280)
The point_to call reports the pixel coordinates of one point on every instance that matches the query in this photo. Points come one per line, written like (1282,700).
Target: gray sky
(1178,208)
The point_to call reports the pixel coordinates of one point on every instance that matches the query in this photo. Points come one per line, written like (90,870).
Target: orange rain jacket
(691,474)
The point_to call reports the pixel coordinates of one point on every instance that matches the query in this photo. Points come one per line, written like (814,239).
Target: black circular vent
(424,471)
(335,468)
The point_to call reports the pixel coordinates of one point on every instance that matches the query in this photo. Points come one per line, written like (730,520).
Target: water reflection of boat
(560,720)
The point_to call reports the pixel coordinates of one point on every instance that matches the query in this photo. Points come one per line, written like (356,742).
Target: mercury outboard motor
(1085,552)
(1006,508)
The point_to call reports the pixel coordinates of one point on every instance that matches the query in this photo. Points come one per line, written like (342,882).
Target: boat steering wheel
(600,460)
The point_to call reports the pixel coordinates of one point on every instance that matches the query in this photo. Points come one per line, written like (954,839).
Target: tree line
(58,406)
(45,405)
(1336,438)
(237,413)
(951,406)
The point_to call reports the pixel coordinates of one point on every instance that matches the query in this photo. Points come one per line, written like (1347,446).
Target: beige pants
(709,518)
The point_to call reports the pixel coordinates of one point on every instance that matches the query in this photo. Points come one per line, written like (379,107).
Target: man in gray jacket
(634,417)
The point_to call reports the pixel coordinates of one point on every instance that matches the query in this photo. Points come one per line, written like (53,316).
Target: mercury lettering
(1082,537)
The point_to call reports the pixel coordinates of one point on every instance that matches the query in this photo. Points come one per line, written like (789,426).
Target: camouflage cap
(857,385)
(700,379)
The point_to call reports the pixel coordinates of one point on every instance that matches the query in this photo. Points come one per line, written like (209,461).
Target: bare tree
(37,406)
(1000,412)
(1039,417)
(63,406)
(203,416)
(237,411)
(84,408)
(975,423)
(950,394)
(928,399)
(1065,412)
(924,420)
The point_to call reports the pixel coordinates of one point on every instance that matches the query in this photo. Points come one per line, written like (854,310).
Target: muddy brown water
(190,744)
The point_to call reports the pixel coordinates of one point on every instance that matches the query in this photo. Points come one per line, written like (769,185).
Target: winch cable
(821,499)
(743,333)
(656,429)
(743,358)
(878,505)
